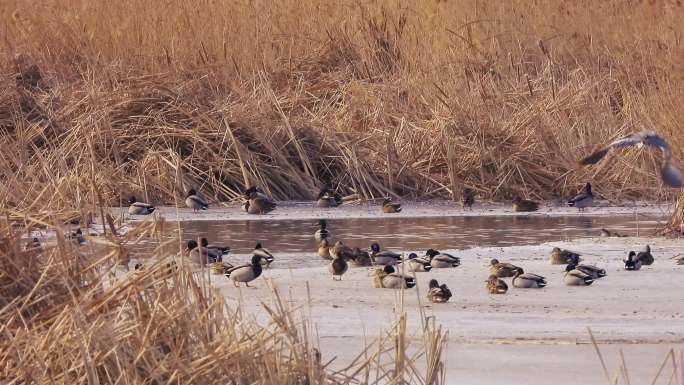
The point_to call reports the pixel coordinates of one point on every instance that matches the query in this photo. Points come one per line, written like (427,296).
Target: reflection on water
(411,234)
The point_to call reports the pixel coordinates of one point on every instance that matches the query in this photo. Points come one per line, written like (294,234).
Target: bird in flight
(669,172)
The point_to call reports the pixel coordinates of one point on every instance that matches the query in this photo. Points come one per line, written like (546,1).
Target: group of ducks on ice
(576,273)
(340,255)
(393,267)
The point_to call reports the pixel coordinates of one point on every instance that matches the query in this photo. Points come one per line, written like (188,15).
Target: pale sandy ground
(525,336)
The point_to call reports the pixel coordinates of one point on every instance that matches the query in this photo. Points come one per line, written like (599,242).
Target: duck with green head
(440,260)
(591,270)
(195,202)
(139,208)
(266,257)
(576,277)
(384,257)
(524,280)
(327,198)
(256,202)
(245,273)
(322,231)
(394,280)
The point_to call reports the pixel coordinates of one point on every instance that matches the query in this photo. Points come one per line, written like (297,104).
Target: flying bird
(669,172)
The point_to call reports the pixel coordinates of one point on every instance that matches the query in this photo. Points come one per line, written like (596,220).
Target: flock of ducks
(388,262)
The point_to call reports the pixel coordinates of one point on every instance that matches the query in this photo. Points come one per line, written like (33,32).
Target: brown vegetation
(419,99)
(70,316)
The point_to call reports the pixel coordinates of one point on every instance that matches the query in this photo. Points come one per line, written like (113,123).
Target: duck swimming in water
(322,231)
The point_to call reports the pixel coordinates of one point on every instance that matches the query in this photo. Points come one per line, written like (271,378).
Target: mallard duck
(340,250)
(327,198)
(496,285)
(193,201)
(584,199)
(608,233)
(33,245)
(502,269)
(576,277)
(645,257)
(524,205)
(245,273)
(590,270)
(77,237)
(324,249)
(361,258)
(389,208)
(215,252)
(632,262)
(680,260)
(562,257)
(524,280)
(256,202)
(259,206)
(394,280)
(266,256)
(139,208)
(384,257)
(669,173)
(378,275)
(198,255)
(442,260)
(415,264)
(468,198)
(338,266)
(438,293)
(322,232)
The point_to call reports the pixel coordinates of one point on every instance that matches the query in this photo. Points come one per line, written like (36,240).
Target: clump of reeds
(74,315)
(419,99)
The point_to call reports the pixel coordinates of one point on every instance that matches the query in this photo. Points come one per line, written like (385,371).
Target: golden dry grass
(413,98)
(70,315)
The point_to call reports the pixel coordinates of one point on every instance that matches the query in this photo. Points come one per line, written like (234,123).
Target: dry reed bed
(67,316)
(414,99)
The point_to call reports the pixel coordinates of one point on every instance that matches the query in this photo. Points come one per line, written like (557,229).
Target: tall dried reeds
(419,99)
(69,315)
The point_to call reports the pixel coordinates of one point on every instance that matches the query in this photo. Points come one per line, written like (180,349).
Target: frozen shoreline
(307,210)
(545,330)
